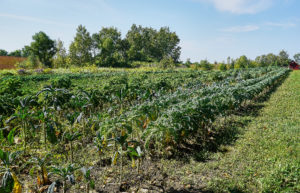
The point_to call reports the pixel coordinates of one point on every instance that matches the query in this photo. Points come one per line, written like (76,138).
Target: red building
(294,66)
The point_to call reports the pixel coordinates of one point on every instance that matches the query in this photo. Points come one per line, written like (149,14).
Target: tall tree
(283,58)
(297,58)
(108,47)
(60,58)
(26,51)
(3,52)
(43,47)
(241,62)
(166,44)
(16,53)
(148,44)
(80,51)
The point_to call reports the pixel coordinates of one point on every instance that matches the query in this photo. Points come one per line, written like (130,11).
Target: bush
(205,65)
(222,67)
(31,62)
(167,62)
(61,82)
(10,85)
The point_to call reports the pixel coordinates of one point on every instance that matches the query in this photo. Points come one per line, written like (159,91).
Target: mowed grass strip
(267,157)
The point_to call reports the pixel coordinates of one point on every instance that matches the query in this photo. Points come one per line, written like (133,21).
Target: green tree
(60,58)
(283,58)
(26,51)
(167,62)
(166,45)
(272,60)
(108,48)
(43,47)
(261,60)
(80,51)
(16,53)
(32,61)
(150,45)
(205,65)
(3,52)
(241,62)
(222,67)
(297,58)
(139,39)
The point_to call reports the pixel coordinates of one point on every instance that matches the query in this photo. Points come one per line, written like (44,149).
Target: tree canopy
(43,47)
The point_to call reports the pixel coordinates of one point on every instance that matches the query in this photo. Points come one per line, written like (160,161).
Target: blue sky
(208,29)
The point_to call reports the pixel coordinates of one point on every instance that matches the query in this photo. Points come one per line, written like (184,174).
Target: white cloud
(30,19)
(240,6)
(282,25)
(237,29)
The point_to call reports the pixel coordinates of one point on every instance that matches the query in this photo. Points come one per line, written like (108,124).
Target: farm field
(142,131)
(8,62)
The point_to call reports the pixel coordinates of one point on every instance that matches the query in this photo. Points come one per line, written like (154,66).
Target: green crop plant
(23,114)
(87,178)
(41,165)
(9,180)
(70,138)
(65,174)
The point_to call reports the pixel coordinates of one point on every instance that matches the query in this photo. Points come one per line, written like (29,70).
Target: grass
(264,158)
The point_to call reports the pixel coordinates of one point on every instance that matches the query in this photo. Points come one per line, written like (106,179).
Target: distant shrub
(205,65)
(31,62)
(167,62)
(222,67)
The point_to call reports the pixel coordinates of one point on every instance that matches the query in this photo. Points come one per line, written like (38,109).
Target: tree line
(282,59)
(106,48)
(140,46)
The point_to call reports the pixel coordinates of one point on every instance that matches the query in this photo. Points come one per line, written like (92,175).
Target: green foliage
(297,58)
(10,85)
(205,65)
(3,52)
(222,67)
(43,47)
(283,58)
(167,62)
(60,58)
(241,62)
(80,49)
(109,48)
(16,53)
(61,82)
(148,44)
(31,62)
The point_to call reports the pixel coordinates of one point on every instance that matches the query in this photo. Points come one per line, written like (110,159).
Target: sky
(208,29)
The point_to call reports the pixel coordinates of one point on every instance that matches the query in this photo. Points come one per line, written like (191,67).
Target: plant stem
(45,136)
(71,143)
(87,188)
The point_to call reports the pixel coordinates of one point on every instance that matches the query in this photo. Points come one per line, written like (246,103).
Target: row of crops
(49,122)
